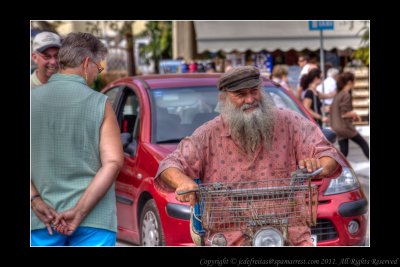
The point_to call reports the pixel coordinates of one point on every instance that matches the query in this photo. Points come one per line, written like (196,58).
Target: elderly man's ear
(222,96)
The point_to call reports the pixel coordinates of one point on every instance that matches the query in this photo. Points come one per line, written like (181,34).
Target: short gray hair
(76,46)
(332,72)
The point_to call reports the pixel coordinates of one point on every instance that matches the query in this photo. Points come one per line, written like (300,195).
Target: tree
(42,25)
(123,30)
(160,45)
(362,53)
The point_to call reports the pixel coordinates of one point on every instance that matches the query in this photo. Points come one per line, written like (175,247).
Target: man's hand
(181,182)
(356,117)
(67,221)
(189,197)
(312,164)
(44,212)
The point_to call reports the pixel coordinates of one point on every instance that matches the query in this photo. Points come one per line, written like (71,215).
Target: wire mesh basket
(242,205)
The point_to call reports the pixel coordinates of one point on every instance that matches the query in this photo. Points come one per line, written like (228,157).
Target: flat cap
(239,78)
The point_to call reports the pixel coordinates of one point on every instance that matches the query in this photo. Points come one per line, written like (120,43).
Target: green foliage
(160,45)
(123,31)
(43,25)
(362,53)
(99,83)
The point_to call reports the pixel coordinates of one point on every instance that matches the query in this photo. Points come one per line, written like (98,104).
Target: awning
(227,36)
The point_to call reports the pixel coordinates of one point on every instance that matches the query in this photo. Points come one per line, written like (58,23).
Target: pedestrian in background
(305,66)
(342,115)
(76,152)
(210,67)
(280,75)
(228,65)
(45,55)
(312,98)
(329,84)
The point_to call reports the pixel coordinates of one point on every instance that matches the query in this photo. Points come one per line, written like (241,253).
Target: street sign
(317,25)
(321,25)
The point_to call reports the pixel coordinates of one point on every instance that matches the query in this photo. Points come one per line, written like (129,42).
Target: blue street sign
(316,25)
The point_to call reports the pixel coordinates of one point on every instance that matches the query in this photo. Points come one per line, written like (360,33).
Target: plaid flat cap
(239,78)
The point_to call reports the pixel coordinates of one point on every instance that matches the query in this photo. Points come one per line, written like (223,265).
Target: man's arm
(112,159)
(44,212)
(312,149)
(181,182)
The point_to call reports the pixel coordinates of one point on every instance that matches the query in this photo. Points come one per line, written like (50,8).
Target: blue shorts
(83,236)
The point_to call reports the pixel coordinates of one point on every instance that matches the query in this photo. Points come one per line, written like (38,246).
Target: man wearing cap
(250,140)
(45,55)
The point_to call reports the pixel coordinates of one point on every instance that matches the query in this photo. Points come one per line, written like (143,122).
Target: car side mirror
(329,134)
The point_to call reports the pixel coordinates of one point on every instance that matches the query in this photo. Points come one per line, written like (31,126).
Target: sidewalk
(357,159)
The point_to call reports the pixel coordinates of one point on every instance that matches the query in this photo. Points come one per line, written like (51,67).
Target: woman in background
(312,98)
(342,115)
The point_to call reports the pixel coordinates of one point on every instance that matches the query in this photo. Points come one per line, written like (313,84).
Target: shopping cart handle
(303,172)
(187,192)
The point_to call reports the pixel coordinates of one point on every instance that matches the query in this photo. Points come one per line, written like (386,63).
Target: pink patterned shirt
(211,155)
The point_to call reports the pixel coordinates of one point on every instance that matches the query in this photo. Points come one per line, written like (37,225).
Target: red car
(154,113)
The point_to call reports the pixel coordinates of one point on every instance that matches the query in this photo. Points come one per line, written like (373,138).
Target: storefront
(257,36)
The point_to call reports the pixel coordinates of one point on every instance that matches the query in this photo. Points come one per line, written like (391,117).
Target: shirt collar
(35,79)
(67,77)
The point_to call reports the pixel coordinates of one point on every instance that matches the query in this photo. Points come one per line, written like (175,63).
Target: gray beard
(250,129)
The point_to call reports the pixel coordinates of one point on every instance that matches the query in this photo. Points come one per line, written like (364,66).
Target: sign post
(321,25)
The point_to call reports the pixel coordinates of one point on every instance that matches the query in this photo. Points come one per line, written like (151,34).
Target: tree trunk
(130,54)
(157,65)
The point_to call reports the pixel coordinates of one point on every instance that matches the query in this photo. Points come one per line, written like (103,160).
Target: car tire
(151,233)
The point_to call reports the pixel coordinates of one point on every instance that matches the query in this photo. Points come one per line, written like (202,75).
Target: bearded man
(250,140)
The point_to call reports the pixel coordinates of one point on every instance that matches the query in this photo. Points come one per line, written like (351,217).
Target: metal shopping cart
(262,210)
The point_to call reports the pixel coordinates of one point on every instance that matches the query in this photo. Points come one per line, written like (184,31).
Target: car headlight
(218,240)
(347,181)
(268,237)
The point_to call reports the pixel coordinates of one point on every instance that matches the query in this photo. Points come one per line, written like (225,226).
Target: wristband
(35,196)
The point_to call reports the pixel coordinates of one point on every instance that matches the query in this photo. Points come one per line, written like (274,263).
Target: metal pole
(321,38)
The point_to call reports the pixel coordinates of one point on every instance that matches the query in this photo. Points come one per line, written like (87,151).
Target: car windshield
(177,112)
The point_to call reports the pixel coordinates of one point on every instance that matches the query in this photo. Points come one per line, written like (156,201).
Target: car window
(177,112)
(282,99)
(130,112)
(112,94)
(181,109)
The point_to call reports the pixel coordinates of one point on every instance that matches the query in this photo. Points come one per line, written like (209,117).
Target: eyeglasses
(46,56)
(99,68)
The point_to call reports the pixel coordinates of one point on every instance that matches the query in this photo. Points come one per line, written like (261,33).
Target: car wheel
(151,233)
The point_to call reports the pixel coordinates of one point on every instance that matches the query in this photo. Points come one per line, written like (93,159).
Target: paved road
(361,165)
(121,243)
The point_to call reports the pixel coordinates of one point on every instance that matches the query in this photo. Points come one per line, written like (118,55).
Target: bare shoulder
(108,110)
